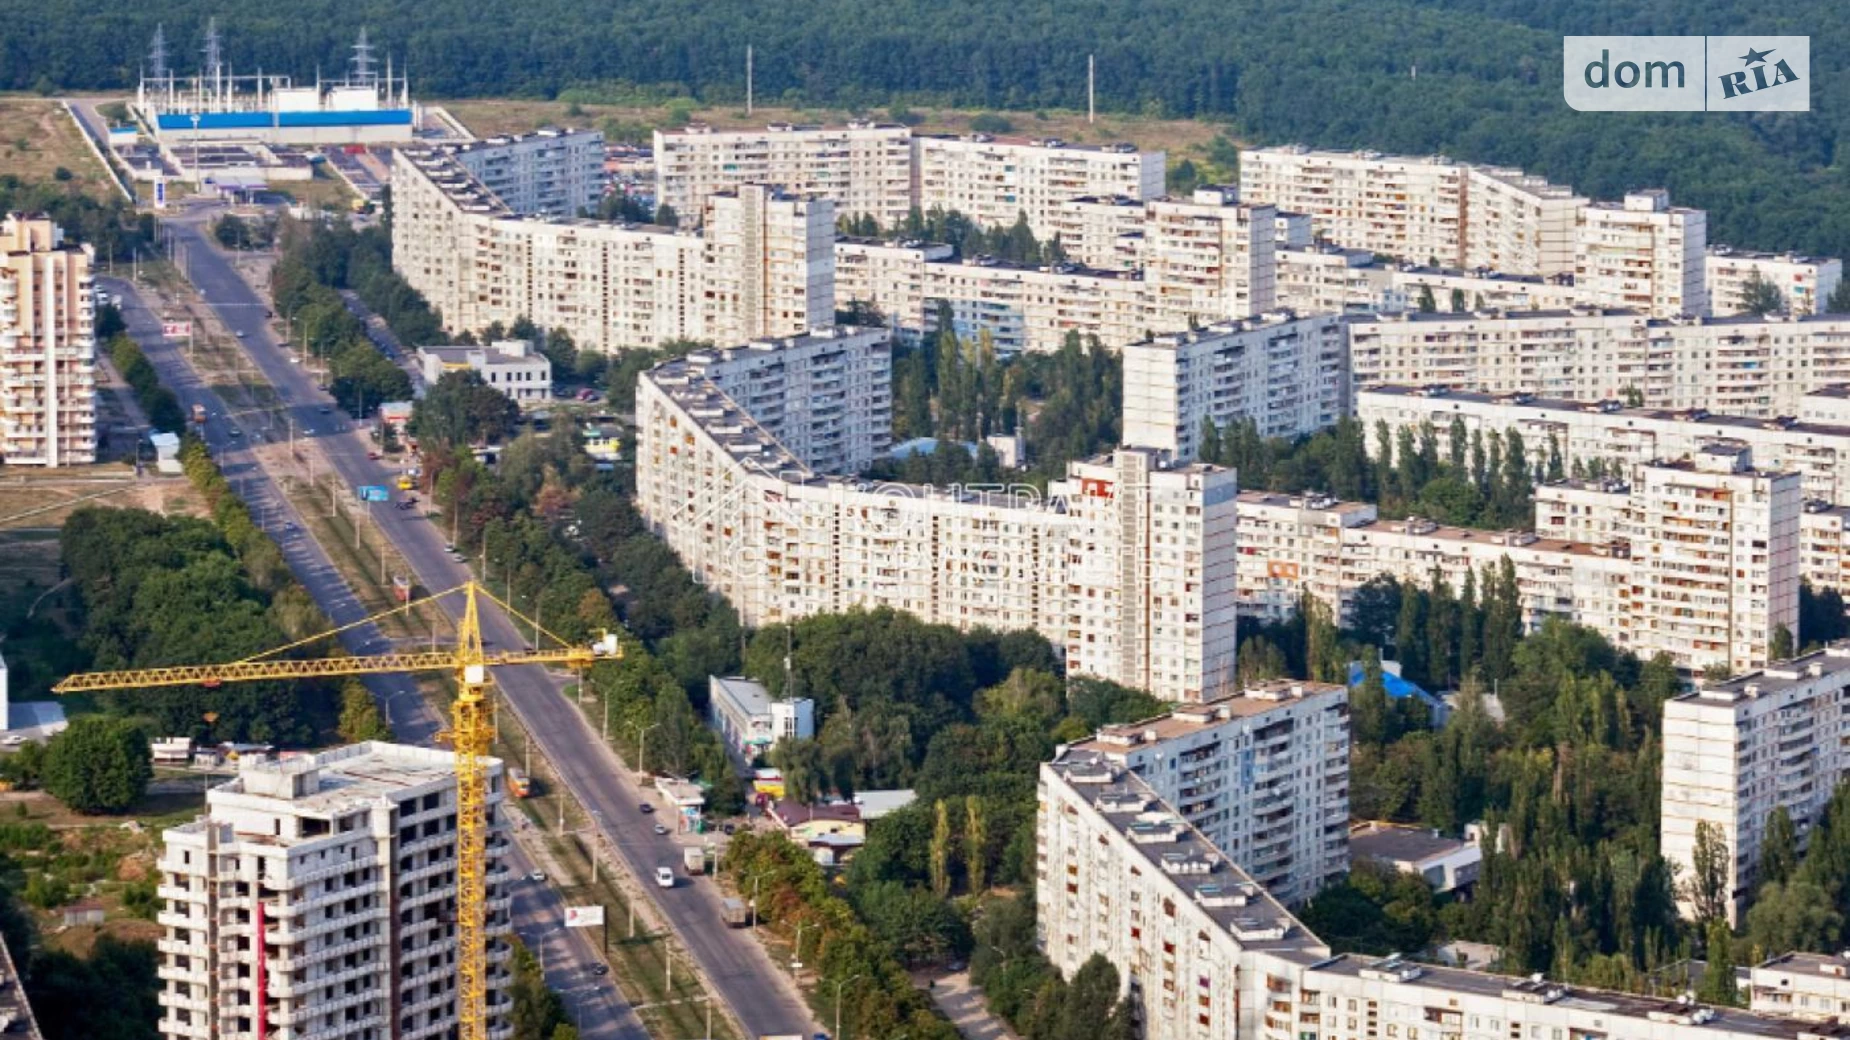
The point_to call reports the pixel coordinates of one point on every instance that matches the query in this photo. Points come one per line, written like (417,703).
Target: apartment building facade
(1291,545)
(1642,254)
(1101,231)
(1021,307)
(864,168)
(825,395)
(995,181)
(1814,987)
(316,897)
(764,268)
(47,346)
(1805,283)
(550,172)
(1409,208)
(1735,751)
(1207,259)
(1262,775)
(1205,952)
(1128,564)
(1518,224)
(1287,374)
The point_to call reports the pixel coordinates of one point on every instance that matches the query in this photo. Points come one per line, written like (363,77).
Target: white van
(664,876)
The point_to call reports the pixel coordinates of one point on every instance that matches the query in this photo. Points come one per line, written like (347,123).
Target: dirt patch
(38,138)
(1181,138)
(45,502)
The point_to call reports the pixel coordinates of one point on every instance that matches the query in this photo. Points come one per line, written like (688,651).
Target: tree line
(315,264)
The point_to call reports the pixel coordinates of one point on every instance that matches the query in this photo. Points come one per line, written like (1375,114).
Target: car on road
(646,807)
(234,432)
(324,409)
(373,456)
(240,333)
(600,970)
(664,877)
(458,557)
(538,877)
(659,829)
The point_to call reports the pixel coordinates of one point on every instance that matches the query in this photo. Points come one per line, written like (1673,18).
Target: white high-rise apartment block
(1518,224)
(1106,232)
(1804,282)
(1605,436)
(1128,565)
(1263,775)
(47,346)
(1408,208)
(1206,953)
(1025,308)
(888,277)
(764,268)
(1289,375)
(770,267)
(317,897)
(1207,259)
(1735,751)
(1814,987)
(825,395)
(1291,545)
(554,173)
(996,181)
(1759,368)
(1715,560)
(1326,279)
(864,168)
(1643,254)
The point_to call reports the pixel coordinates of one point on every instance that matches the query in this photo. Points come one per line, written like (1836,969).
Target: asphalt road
(538,911)
(757,990)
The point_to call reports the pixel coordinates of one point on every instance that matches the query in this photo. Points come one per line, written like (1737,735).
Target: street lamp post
(838,988)
(756,880)
(642,745)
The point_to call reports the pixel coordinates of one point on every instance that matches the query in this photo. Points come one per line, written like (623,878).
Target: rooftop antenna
(1091,89)
(748,79)
(363,60)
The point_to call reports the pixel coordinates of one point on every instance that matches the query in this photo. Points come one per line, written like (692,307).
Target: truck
(517,783)
(732,911)
(199,414)
(694,859)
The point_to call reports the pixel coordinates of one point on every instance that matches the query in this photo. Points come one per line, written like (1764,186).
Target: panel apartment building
(1735,751)
(1128,565)
(317,897)
(1643,254)
(1746,366)
(1205,952)
(1614,439)
(1408,208)
(1699,560)
(764,266)
(1263,775)
(47,346)
(1805,283)
(550,172)
(1290,375)
(864,168)
(997,180)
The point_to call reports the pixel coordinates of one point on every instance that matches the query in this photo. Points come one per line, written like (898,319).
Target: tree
(99,765)
(1797,915)
(1839,303)
(360,719)
(1717,985)
(1761,297)
(1779,648)
(1708,888)
(1368,702)
(1426,303)
(941,852)
(462,409)
(1779,852)
(976,844)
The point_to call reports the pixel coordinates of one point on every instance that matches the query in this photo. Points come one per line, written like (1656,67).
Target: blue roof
(1397,688)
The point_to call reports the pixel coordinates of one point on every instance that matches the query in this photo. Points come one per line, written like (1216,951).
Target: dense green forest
(1328,72)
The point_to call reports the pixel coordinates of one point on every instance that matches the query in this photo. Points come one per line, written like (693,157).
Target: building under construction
(367,105)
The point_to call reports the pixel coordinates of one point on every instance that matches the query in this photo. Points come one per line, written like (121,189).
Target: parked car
(646,807)
(664,877)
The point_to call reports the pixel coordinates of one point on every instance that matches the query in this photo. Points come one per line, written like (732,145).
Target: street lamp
(838,989)
(756,879)
(642,745)
(796,956)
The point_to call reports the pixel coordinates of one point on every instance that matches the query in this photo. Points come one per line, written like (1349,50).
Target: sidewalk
(963,1004)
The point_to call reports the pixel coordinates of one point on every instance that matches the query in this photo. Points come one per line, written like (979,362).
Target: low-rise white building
(750,721)
(1735,751)
(316,896)
(1447,864)
(1805,283)
(511,366)
(1810,986)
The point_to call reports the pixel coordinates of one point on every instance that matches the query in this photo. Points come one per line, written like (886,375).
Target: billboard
(373,493)
(176,329)
(584,916)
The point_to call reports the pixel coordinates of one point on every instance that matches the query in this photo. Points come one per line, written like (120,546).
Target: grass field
(37,138)
(1181,138)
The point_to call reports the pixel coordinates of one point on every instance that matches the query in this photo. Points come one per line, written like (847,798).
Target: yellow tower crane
(471,732)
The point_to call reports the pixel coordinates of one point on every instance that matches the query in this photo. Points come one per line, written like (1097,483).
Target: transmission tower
(363,74)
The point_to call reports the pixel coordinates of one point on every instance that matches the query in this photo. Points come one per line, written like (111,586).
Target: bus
(517,783)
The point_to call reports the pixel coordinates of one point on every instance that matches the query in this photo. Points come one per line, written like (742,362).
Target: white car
(664,877)
(538,877)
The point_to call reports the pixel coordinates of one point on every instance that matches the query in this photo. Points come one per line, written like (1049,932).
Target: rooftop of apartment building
(1423,528)
(1364,154)
(1528,182)
(470,195)
(1320,503)
(1549,317)
(1269,319)
(1832,659)
(1353,257)
(1644,200)
(544,133)
(1396,844)
(1610,407)
(1199,872)
(1189,719)
(1120,201)
(1835,966)
(1114,147)
(1063,268)
(1539,990)
(333,782)
(814,337)
(1482,273)
(707,129)
(1788,257)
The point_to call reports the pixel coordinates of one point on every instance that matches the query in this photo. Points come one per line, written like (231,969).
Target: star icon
(1754,57)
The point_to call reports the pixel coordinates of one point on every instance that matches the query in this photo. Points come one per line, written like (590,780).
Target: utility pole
(748,79)
(1091,89)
